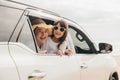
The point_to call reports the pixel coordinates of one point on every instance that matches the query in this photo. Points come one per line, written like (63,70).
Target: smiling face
(58,31)
(41,34)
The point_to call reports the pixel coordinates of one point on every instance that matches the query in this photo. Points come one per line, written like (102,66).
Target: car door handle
(83,66)
(37,75)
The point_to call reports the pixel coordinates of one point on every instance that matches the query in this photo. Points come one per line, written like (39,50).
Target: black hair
(62,24)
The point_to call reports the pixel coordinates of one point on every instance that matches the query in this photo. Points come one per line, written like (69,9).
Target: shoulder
(64,43)
(50,41)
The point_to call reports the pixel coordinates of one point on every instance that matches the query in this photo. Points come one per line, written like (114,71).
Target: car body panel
(7,65)
(55,67)
(93,66)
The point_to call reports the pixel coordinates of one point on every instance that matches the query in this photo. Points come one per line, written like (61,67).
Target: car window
(47,21)
(8,20)
(26,36)
(80,43)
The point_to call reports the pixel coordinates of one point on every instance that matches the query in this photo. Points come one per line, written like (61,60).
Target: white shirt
(51,46)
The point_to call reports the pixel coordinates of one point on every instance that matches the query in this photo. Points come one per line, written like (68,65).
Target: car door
(90,63)
(8,18)
(32,65)
(7,66)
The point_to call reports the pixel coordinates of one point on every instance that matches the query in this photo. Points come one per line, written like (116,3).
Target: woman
(41,32)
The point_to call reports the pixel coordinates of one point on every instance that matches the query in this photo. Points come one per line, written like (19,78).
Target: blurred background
(99,18)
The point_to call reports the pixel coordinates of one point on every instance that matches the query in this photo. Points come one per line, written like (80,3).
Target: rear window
(8,20)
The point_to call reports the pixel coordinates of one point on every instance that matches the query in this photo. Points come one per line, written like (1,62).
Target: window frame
(19,27)
(30,26)
(21,12)
(43,18)
(48,21)
(88,41)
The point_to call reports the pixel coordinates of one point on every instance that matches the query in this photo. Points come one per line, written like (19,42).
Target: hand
(59,52)
(43,52)
(68,52)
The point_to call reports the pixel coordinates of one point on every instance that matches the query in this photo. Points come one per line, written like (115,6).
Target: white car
(19,57)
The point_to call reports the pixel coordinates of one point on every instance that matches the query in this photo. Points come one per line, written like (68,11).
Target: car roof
(22,6)
(33,10)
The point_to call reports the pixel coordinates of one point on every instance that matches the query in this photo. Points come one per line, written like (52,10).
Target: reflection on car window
(26,37)
(79,42)
(8,20)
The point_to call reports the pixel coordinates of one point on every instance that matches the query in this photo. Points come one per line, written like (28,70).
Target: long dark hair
(62,24)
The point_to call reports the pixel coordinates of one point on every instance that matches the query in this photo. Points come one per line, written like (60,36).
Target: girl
(56,43)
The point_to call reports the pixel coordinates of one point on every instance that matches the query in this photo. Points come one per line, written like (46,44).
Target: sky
(99,18)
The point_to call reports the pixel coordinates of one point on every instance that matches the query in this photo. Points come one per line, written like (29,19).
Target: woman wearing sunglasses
(56,43)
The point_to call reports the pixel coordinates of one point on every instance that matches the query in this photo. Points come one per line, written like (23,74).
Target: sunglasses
(61,29)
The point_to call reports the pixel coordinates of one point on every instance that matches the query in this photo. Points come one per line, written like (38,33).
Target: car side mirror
(105,48)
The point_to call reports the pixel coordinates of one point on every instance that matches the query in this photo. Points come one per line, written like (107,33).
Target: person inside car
(56,43)
(42,31)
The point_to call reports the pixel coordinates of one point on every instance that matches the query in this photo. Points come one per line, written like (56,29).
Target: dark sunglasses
(61,29)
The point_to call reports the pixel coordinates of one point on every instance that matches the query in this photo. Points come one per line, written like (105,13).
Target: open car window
(48,22)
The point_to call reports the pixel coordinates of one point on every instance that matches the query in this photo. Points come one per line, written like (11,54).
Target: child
(56,43)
